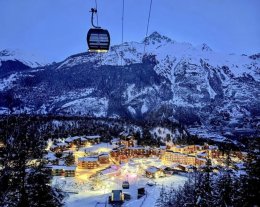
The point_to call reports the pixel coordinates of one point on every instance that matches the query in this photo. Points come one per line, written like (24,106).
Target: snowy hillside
(190,84)
(26,58)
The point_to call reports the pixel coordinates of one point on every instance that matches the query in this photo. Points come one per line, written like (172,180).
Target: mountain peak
(204,47)
(5,53)
(156,37)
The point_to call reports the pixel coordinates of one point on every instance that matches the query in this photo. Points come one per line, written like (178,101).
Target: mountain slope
(29,60)
(190,84)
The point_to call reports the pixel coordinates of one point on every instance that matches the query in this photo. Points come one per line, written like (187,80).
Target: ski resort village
(122,173)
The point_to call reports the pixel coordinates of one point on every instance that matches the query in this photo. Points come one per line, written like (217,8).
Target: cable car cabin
(125,185)
(98,40)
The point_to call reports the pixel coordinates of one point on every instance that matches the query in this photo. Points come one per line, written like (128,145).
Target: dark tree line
(54,126)
(76,125)
(24,179)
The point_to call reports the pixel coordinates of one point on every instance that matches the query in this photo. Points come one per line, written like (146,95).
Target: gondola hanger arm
(93,11)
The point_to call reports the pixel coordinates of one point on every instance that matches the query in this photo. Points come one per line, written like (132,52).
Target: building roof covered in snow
(152,169)
(88,159)
(104,154)
(63,167)
(109,171)
(71,139)
(61,144)
(93,137)
(213,147)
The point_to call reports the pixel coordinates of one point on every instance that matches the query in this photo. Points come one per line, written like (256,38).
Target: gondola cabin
(125,185)
(98,40)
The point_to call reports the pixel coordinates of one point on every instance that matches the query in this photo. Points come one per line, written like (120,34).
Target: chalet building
(114,153)
(67,171)
(200,161)
(202,154)
(187,149)
(50,158)
(139,151)
(206,146)
(190,160)
(199,147)
(190,149)
(115,142)
(168,171)
(103,158)
(212,147)
(181,168)
(213,152)
(122,152)
(119,151)
(167,157)
(185,168)
(53,161)
(162,151)
(178,148)
(210,153)
(59,147)
(57,170)
(153,172)
(73,141)
(128,141)
(170,156)
(95,139)
(88,162)
(82,140)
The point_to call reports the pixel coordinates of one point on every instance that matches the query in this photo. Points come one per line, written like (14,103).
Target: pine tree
(58,155)
(70,159)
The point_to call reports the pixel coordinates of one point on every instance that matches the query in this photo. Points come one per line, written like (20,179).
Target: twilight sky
(55,29)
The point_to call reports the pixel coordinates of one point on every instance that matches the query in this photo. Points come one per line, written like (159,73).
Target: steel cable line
(148,22)
(123,13)
(122,29)
(97,10)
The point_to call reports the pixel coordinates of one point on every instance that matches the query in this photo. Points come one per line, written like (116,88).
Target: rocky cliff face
(192,85)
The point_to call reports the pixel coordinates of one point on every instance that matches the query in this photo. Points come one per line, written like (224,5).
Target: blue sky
(55,29)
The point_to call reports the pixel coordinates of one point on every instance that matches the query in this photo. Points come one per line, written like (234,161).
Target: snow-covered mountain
(16,55)
(13,64)
(190,84)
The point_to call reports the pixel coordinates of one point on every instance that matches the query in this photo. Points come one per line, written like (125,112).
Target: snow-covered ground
(7,82)
(81,194)
(163,133)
